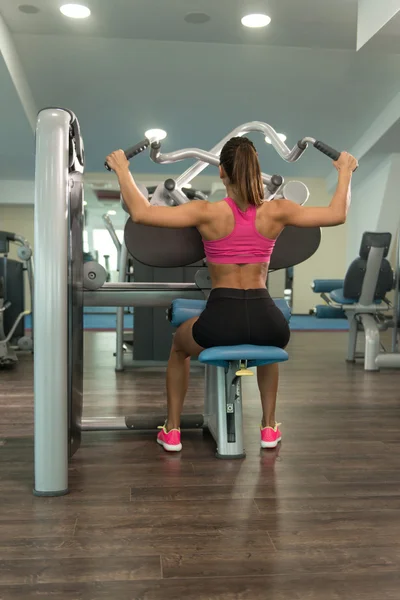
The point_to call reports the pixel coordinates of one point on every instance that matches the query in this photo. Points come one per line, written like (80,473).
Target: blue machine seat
(321,286)
(337,296)
(221,356)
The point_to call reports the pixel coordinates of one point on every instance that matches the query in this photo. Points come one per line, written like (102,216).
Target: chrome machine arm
(273,183)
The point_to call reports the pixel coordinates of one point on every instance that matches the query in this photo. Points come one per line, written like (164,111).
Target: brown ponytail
(240,161)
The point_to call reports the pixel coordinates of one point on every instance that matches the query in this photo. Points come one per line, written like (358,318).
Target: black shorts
(234,317)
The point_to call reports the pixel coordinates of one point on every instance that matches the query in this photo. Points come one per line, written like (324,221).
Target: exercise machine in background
(62,290)
(361,297)
(12,298)
(391,359)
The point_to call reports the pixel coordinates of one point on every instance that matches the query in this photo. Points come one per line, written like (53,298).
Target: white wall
(330,259)
(16,192)
(375,203)
(365,207)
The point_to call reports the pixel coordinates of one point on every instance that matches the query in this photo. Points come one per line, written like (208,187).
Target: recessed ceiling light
(84,203)
(281,136)
(257,20)
(197,18)
(112,213)
(28,9)
(75,11)
(155,135)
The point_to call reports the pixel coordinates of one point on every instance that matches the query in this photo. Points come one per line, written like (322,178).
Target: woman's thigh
(183,339)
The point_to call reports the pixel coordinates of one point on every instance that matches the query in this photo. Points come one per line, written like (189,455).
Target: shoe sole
(270,445)
(168,447)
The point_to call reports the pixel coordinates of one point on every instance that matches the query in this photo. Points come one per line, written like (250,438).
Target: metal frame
(274,183)
(363,316)
(223,414)
(51,294)
(58,184)
(391,360)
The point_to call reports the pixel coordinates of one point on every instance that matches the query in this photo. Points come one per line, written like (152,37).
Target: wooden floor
(318,519)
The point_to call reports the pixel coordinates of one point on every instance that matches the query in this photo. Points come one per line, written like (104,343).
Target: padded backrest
(371,239)
(354,279)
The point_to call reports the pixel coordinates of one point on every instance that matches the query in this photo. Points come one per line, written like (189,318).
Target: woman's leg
(183,347)
(268,378)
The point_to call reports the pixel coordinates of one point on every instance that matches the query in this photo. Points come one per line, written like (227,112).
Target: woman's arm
(290,213)
(192,214)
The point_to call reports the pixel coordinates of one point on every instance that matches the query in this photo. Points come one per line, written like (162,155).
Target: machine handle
(134,151)
(325,149)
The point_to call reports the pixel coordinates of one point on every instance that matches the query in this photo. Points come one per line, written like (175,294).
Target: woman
(239,235)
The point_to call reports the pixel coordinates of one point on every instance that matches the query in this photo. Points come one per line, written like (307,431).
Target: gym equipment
(362,296)
(60,294)
(187,246)
(322,311)
(12,333)
(391,360)
(224,368)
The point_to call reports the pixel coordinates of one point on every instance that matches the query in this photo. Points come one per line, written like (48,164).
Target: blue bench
(225,365)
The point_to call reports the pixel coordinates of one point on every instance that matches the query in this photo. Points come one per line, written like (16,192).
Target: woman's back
(238,243)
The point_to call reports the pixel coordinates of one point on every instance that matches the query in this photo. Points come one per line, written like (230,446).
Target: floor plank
(316,519)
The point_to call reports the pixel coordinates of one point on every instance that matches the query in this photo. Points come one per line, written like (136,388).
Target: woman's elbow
(138,217)
(340,219)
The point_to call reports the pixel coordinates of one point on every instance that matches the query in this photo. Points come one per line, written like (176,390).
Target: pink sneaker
(270,436)
(170,440)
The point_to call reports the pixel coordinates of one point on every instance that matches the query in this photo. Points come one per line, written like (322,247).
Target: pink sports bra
(245,245)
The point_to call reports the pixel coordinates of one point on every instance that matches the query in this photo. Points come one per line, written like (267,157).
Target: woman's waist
(242,277)
(236,293)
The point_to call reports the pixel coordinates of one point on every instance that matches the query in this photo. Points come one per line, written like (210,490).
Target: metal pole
(50,303)
(288,155)
(119,352)
(396,311)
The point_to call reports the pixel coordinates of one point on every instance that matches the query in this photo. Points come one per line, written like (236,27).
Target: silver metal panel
(230,418)
(388,361)
(50,302)
(119,352)
(352,339)
(372,342)
(104,424)
(396,300)
(374,262)
(214,381)
(151,298)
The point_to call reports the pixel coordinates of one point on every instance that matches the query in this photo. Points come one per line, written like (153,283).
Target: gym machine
(12,334)
(362,297)
(391,359)
(62,291)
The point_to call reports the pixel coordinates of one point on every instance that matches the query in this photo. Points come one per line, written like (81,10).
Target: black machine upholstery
(354,279)
(161,247)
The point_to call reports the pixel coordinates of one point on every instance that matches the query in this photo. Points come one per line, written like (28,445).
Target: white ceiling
(137,64)
(302,23)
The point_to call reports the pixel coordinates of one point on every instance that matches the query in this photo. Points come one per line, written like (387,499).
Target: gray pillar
(50,303)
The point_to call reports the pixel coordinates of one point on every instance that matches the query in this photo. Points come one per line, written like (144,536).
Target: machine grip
(134,151)
(325,149)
